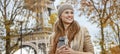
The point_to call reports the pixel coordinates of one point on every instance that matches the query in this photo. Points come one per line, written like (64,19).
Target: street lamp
(118,33)
(21,35)
(20,38)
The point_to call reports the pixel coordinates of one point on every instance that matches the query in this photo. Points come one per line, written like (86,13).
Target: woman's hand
(65,50)
(68,50)
(60,49)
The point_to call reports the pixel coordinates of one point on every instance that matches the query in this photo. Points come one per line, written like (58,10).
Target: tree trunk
(102,40)
(7,27)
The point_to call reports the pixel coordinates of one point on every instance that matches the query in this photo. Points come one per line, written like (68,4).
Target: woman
(77,39)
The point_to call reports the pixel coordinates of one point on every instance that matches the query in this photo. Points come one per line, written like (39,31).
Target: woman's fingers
(66,52)
(60,49)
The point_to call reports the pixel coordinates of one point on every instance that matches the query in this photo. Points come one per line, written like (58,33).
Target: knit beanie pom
(63,7)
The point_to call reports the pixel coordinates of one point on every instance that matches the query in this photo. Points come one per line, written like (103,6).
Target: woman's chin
(69,22)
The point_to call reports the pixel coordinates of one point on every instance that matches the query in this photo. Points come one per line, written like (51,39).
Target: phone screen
(61,42)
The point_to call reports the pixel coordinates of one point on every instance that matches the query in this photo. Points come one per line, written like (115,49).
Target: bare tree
(19,9)
(9,9)
(102,13)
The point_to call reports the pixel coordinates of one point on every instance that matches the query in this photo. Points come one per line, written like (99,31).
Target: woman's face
(67,16)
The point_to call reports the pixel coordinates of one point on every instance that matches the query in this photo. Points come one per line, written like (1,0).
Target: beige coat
(81,41)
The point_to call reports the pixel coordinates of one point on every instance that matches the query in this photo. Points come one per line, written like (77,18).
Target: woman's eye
(71,12)
(66,12)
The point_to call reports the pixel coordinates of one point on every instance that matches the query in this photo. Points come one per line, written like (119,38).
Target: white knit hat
(63,7)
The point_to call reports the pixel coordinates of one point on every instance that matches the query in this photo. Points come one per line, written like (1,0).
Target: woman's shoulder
(83,28)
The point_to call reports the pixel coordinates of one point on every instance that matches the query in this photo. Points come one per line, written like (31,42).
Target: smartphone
(61,41)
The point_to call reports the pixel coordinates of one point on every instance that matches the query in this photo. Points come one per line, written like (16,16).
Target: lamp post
(21,35)
(118,33)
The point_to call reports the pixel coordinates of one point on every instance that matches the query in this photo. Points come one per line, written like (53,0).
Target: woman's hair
(59,30)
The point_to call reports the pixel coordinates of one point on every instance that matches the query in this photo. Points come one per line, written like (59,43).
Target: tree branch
(15,44)
(95,7)
(13,10)
(110,6)
(8,2)
(28,14)
(1,11)
(104,10)
(1,21)
(1,3)
(4,9)
(16,12)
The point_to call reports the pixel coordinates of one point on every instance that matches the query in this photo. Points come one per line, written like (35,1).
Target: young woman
(77,39)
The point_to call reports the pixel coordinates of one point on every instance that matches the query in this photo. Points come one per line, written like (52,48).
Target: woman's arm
(88,46)
(78,52)
(69,50)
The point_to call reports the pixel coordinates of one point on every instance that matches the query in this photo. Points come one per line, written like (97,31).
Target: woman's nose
(70,15)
